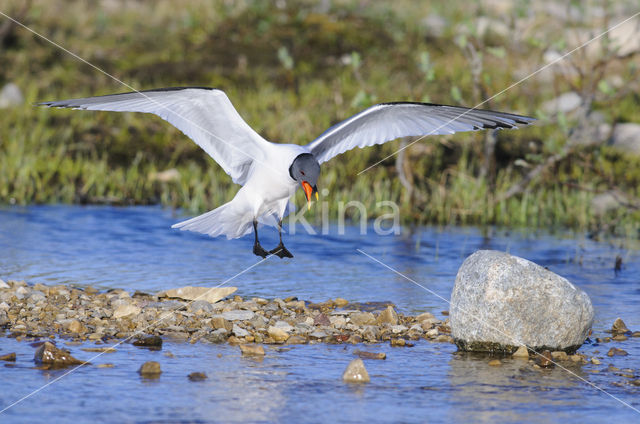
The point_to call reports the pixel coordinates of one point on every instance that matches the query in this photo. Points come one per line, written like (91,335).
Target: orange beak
(308,191)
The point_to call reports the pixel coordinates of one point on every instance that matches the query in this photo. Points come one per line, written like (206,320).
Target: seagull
(270,173)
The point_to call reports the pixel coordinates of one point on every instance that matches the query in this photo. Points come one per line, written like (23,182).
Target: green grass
(292,72)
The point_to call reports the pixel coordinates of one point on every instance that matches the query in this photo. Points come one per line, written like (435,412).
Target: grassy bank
(293,71)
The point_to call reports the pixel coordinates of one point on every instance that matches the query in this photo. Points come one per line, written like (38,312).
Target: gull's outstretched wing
(204,114)
(388,121)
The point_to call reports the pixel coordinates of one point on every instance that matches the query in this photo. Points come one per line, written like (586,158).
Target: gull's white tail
(226,220)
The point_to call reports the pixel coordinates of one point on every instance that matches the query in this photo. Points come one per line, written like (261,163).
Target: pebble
(197,376)
(522,353)
(559,356)
(370,355)
(150,369)
(239,331)
(619,327)
(614,351)
(595,361)
(105,365)
(340,302)
(125,310)
(11,357)
(495,363)
(356,372)
(362,318)
(252,349)
(49,354)
(237,315)
(388,316)
(545,360)
(278,334)
(76,326)
(149,341)
(619,338)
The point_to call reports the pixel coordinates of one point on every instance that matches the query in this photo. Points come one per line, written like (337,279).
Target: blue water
(135,249)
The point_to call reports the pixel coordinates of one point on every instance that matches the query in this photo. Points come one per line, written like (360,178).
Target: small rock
(283,325)
(626,137)
(105,365)
(495,363)
(522,353)
(211,295)
(252,349)
(356,372)
(398,342)
(76,326)
(559,356)
(619,338)
(295,339)
(426,316)
(10,96)
(565,103)
(370,355)
(545,360)
(125,310)
(220,322)
(150,369)
(595,361)
(321,319)
(197,376)
(4,285)
(8,357)
(278,334)
(619,327)
(362,318)
(48,353)
(576,358)
(340,302)
(388,316)
(238,315)
(149,341)
(239,331)
(614,351)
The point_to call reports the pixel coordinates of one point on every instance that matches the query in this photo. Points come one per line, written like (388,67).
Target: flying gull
(270,173)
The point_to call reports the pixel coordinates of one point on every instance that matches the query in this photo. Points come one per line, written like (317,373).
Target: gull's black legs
(280,250)
(257,249)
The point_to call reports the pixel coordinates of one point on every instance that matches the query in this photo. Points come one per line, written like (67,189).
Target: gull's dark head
(305,169)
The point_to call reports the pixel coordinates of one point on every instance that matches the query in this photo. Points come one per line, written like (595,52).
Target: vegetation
(293,69)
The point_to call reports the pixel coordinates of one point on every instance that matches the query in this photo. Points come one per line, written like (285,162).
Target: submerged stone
(500,302)
(49,354)
(150,369)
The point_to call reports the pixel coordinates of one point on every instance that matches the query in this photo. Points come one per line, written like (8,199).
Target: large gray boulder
(500,302)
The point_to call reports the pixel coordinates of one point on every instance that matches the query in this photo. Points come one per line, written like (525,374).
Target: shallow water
(135,249)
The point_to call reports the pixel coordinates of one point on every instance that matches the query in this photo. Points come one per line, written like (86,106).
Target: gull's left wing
(388,121)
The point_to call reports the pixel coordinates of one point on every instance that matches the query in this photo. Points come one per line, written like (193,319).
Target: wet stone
(545,360)
(11,357)
(370,355)
(278,334)
(150,369)
(321,319)
(197,376)
(521,352)
(252,350)
(362,318)
(356,372)
(619,327)
(49,354)
(154,342)
(388,316)
(614,351)
(495,363)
